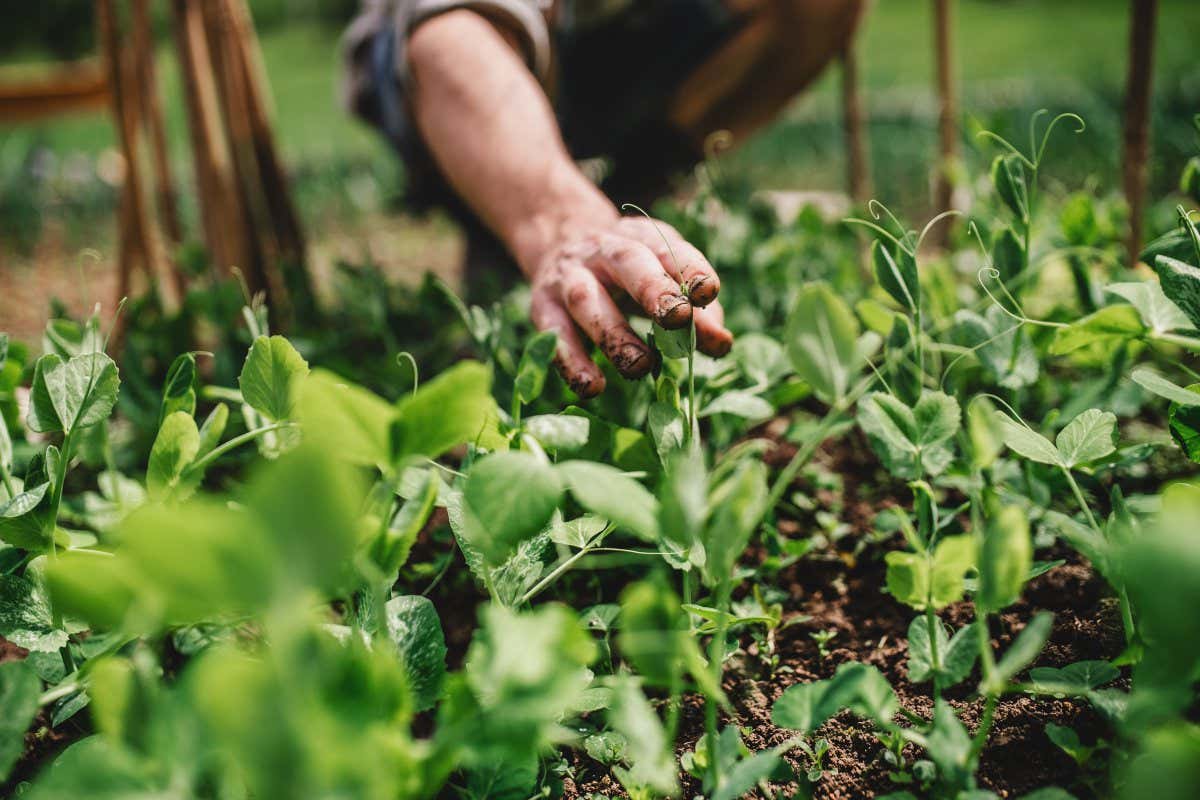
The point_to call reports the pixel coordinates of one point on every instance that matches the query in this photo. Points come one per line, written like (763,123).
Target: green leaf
(270,375)
(25,617)
(1074,679)
(414,627)
(1001,344)
(6,448)
(606,491)
(1008,254)
(1154,383)
(652,762)
(21,523)
(346,420)
(737,505)
(1181,283)
(861,688)
(956,655)
(1008,176)
(175,448)
(909,441)
(1026,442)
(654,635)
(684,501)
(1090,436)
(213,429)
(1184,422)
(822,341)
(513,496)
(919,580)
(535,360)
(19,690)
(561,432)
(1005,559)
(391,548)
(179,393)
(506,779)
(667,427)
(949,747)
(1108,327)
(1024,649)
(745,775)
(1157,311)
(66,395)
(740,404)
(897,274)
(674,343)
(578,532)
(453,408)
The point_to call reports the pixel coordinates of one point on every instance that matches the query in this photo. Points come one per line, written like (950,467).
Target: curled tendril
(403,356)
(661,235)
(1081,126)
(875,207)
(973,230)
(1007,145)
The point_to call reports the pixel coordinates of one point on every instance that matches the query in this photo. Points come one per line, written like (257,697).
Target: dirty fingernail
(631,360)
(703,290)
(674,311)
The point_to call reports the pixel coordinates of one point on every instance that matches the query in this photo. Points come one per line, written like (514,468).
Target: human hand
(574,282)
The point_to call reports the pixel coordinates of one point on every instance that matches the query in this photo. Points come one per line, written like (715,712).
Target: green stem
(716,658)
(788,474)
(935,658)
(1079,498)
(58,692)
(7,477)
(1187,342)
(234,443)
(985,726)
(693,433)
(555,573)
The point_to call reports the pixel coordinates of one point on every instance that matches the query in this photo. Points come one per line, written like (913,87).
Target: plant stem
(1087,510)
(985,726)
(541,585)
(7,477)
(788,474)
(691,364)
(716,658)
(234,443)
(932,624)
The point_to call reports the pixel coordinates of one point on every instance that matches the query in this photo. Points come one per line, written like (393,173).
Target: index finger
(682,260)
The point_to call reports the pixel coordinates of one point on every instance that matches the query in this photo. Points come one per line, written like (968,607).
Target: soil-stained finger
(633,266)
(712,337)
(571,356)
(598,316)
(682,260)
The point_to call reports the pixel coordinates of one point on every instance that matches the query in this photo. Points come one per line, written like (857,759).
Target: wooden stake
(1137,119)
(164,183)
(943,195)
(858,163)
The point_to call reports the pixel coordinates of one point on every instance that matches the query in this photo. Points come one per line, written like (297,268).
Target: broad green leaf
(513,496)
(6,448)
(1005,558)
(414,627)
(1108,327)
(745,775)
(21,523)
(956,655)
(270,375)
(683,509)
(1090,436)
(25,617)
(739,403)
(1001,344)
(1158,312)
(504,779)
(346,420)
(910,441)
(761,358)
(919,580)
(1027,442)
(822,341)
(72,394)
(949,746)
(1024,649)
(19,690)
(578,532)
(1074,679)
(897,274)
(606,491)
(175,448)
(984,432)
(453,408)
(535,361)
(654,635)
(961,654)
(562,432)
(673,343)
(667,427)
(1152,382)
(1180,283)
(861,688)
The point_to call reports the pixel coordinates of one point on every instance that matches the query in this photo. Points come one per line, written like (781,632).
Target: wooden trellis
(247,219)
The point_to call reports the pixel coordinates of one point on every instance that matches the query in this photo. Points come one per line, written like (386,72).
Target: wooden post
(947,113)
(858,162)
(1137,118)
(152,112)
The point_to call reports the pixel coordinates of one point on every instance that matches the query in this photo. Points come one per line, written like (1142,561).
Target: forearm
(492,131)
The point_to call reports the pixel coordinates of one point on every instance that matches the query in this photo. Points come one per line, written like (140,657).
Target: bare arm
(491,129)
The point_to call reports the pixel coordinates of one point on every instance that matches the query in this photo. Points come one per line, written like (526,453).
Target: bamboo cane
(168,208)
(947,113)
(858,164)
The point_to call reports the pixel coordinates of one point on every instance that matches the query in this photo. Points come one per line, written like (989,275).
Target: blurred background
(60,179)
